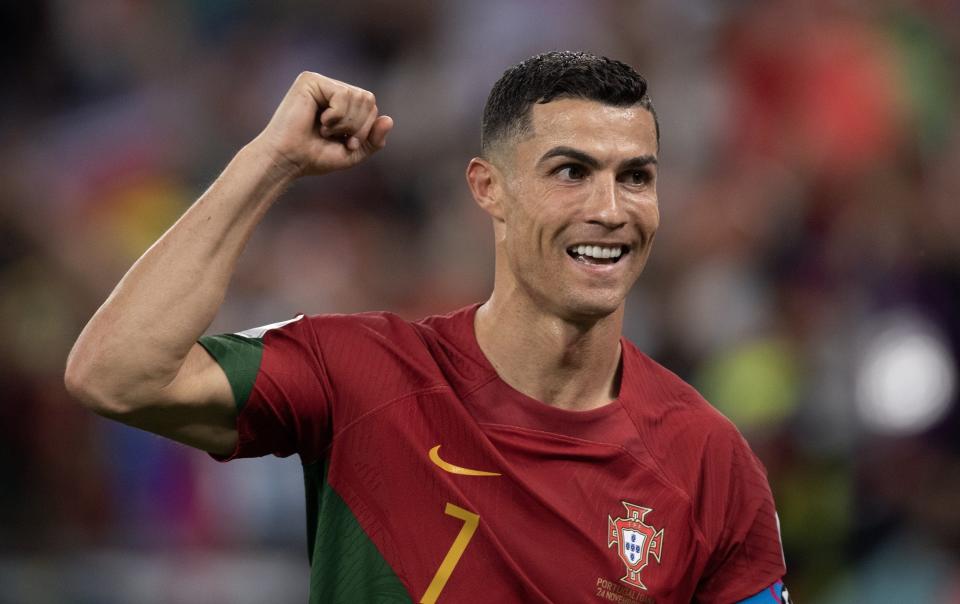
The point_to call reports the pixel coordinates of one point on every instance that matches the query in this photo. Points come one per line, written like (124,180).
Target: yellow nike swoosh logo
(449,467)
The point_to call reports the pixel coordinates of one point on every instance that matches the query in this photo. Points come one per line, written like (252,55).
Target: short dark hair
(556,75)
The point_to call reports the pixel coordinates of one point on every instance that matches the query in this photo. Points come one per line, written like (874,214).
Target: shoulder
(654,394)
(687,437)
(410,355)
(386,327)
(376,325)
(356,345)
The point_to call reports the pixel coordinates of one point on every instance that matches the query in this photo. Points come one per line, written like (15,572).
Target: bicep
(197,408)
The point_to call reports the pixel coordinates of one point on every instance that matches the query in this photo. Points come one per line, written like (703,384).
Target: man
(519,450)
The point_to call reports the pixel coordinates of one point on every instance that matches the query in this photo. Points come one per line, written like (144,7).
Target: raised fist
(323,125)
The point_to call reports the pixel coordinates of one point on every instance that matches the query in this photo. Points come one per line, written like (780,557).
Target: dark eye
(571,172)
(637,177)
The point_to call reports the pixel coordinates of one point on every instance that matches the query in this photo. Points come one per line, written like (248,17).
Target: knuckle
(360,95)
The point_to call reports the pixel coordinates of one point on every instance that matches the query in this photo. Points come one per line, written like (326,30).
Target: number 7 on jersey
(470,522)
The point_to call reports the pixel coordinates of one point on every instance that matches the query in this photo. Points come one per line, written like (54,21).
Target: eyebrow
(592,162)
(635,163)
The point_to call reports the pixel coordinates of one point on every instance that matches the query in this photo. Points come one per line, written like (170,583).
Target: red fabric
(373,394)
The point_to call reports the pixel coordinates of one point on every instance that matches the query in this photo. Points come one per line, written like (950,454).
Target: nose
(606,207)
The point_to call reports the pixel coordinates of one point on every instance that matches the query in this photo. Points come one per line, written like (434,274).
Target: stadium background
(806,277)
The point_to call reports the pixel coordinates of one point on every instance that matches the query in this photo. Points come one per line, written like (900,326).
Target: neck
(567,364)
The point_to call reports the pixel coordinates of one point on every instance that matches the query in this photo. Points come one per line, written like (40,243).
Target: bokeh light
(907,377)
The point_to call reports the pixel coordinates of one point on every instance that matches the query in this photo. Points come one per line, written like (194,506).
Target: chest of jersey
(464,510)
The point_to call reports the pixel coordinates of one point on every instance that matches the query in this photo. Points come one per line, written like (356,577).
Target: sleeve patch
(775,594)
(240,357)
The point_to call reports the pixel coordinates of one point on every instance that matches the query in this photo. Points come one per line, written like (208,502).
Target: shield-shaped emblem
(637,541)
(633,543)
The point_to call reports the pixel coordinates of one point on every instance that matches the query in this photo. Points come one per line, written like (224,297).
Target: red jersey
(429,479)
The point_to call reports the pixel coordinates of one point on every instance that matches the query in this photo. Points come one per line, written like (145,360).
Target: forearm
(137,341)
(133,361)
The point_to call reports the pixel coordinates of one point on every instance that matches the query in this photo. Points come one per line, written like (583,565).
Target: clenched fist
(323,125)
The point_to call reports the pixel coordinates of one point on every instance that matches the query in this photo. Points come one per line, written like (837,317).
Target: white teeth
(596,251)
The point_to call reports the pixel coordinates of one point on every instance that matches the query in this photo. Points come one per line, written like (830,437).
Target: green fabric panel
(345,566)
(240,359)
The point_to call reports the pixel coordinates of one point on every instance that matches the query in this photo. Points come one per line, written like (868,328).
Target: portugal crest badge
(636,542)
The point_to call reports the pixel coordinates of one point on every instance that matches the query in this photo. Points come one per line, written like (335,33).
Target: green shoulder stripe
(345,566)
(239,357)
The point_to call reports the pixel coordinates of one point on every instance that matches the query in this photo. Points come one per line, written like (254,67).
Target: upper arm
(197,408)
(276,377)
(741,524)
(244,394)
(262,391)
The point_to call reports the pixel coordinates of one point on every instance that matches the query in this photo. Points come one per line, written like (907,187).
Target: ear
(486,185)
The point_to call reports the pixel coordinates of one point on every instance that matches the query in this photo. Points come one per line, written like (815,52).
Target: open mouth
(598,254)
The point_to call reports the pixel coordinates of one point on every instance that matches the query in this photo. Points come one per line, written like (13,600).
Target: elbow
(91,388)
(77,382)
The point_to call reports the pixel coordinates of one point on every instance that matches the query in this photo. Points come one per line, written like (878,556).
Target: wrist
(276,166)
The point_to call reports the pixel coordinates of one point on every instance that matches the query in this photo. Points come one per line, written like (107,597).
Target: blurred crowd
(806,277)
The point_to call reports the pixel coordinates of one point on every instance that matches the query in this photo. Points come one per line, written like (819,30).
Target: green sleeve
(239,357)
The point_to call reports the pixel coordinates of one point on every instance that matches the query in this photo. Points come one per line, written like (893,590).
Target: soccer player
(518,450)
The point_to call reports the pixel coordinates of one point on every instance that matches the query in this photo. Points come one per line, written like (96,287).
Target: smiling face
(574,203)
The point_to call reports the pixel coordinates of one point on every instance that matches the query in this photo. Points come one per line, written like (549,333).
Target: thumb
(378,132)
